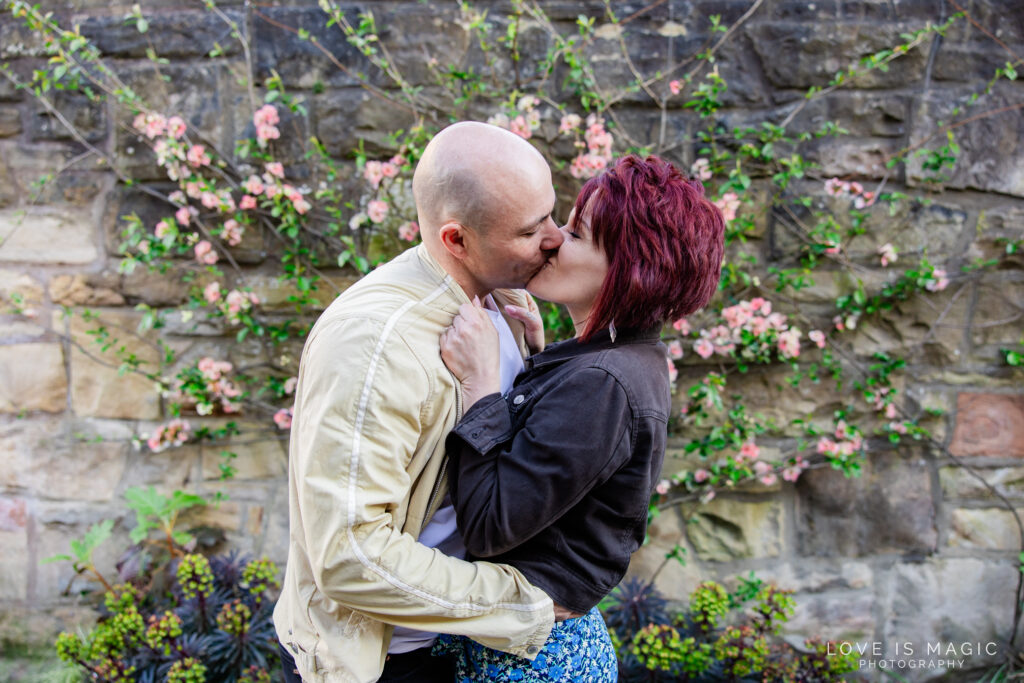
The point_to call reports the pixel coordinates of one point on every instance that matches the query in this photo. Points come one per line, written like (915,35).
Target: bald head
(470,174)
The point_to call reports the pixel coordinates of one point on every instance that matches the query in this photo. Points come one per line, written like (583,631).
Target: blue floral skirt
(577,651)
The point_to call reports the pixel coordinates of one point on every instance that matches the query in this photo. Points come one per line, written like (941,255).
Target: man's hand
(470,350)
(530,318)
(562,613)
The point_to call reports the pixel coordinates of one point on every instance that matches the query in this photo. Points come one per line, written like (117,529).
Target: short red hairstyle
(664,240)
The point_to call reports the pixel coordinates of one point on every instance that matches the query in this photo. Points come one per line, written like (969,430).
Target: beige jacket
(373,405)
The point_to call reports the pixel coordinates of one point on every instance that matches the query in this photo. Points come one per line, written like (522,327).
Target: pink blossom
(831,248)
(708,496)
(839,323)
(232,233)
(210,200)
(701,169)
(254,185)
(683,326)
(761,467)
(275,168)
(377,210)
(389,169)
(373,172)
(675,86)
(728,203)
(398,161)
(500,120)
(533,119)
(301,205)
(283,418)
(408,231)
(176,127)
(938,281)
(898,427)
(834,187)
(162,230)
(827,446)
(865,200)
(890,412)
(520,127)
(842,430)
(264,133)
(193,189)
(818,337)
(183,215)
(673,373)
(178,197)
(272,189)
(155,125)
(527,103)
(212,292)
(289,385)
(887,252)
(789,343)
(750,451)
(758,303)
(266,116)
(197,156)
(569,123)
(247,202)
(758,326)
(205,253)
(855,187)
(675,349)
(662,487)
(791,473)
(704,348)
(701,476)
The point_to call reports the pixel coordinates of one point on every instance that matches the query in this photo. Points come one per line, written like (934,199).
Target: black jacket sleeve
(508,484)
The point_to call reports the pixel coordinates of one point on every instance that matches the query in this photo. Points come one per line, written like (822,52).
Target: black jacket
(555,478)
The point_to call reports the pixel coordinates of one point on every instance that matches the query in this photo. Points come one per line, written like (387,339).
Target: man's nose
(553,238)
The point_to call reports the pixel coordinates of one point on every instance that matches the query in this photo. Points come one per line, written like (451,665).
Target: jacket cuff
(536,641)
(486,424)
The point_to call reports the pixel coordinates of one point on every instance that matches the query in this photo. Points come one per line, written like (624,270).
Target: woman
(554,478)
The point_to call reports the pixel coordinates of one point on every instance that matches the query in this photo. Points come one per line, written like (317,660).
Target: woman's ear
(453,237)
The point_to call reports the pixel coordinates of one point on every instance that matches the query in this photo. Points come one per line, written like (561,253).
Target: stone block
(728,529)
(274,293)
(341,118)
(997,225)
(227,515)
(846,615)
(86,289)
(300,63)
(166,471)
(88,119)
(996,318)
(32,377)
(951,601)
(30,171)
(17,284)
(808,576)
(47,461)
(990,425)
(816,52)
(177,35)
(155,288)
(47,235)
(863,158)
(57,524)
(274,542)
(98,387)
(766,392)
(262,459)
(889,508)
(984,529)
(959,483)
(914,329)
(989,146)
(10,122)
(14,565)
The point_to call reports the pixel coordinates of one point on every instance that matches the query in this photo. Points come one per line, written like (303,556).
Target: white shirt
(441,532)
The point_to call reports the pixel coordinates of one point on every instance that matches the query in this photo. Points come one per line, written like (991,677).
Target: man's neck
(462,278)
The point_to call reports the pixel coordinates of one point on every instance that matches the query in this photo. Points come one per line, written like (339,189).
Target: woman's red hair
(664,241)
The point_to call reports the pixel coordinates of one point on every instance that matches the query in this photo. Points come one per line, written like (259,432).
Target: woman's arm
(507,487)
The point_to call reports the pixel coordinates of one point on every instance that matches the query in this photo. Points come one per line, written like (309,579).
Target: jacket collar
(562,351)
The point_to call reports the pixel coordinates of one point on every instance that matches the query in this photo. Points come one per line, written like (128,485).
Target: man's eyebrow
(537,222)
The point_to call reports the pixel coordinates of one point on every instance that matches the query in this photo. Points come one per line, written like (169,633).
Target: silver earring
(611,330)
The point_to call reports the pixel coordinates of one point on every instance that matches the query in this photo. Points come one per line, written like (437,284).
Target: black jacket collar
(559,352)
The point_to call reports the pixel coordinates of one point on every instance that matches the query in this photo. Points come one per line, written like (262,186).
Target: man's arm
(358,418)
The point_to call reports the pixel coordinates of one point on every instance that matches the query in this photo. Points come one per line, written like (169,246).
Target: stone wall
(914,550)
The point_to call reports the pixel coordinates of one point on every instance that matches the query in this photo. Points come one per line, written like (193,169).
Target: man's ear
(453,237)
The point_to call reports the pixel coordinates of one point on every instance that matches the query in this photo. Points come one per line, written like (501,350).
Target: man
(374,403)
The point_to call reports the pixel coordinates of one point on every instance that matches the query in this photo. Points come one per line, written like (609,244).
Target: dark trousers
(418,666)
